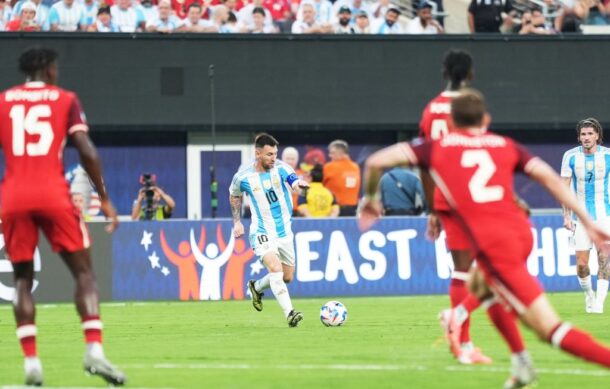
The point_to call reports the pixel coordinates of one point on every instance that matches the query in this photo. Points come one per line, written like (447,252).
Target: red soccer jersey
(35,120)
(475,172)
(435,123)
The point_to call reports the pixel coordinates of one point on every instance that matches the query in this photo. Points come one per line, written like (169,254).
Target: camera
(148,181)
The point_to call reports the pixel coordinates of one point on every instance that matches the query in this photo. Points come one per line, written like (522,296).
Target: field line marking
(361,367)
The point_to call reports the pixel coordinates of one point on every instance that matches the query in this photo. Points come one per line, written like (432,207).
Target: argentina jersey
(270,198)
(589,179)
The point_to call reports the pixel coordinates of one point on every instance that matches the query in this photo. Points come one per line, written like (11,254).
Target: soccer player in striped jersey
(269,183)
(585,169)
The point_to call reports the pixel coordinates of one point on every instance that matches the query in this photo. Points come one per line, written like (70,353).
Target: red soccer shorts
(505,270)
(455,236)
(64,228)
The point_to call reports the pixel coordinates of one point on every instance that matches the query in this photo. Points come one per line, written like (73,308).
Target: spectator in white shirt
(245,15)
(258,16)
(344,20)
(66,15)
(424,23)
(323,10)
(194,21)
(362,23)
(148,9)
(42,13)
(309,25)
(127,17)
(390,24)
(91,7)
(166,22)
(104,21)
(5,14)
(378,9)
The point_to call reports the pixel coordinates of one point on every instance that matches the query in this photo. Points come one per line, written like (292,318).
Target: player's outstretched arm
(547,177)
(238,228)
(386,158)
(92,165)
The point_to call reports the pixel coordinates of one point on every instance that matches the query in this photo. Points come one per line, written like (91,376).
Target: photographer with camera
(148,204)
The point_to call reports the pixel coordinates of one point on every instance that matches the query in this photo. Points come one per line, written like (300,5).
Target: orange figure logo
(234,275)
(184,260)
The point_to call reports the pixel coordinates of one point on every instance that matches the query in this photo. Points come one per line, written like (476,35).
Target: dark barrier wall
(318,82)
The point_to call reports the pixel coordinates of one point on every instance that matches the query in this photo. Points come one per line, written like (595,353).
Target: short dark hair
(468,108)
(195,5)
(593,123)
(35,60)
(264,139)
(457,66)
(231,17)
(317,173)
(340,144)
(258,10)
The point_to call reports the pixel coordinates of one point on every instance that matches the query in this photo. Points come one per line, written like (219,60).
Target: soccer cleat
(523,374)
(33,372)
(294,318)
(103,368)
(589,303)
(474,357)
(452,330)
(257,297)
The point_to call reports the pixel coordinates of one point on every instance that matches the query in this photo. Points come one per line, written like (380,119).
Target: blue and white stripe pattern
(270,198)
(590,177)
(67,18)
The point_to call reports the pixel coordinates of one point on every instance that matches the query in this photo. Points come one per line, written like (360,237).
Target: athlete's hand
(238,229)
(599,236)
(370,212)
(433,229)
(110,212)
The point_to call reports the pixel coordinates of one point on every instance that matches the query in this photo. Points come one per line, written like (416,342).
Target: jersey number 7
(34,122)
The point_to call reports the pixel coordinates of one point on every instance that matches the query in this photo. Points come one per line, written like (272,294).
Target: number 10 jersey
(35,120)
(270,198)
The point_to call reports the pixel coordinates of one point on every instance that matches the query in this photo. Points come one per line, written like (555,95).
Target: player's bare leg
(542,318)
(584,279)
(25,314)
(602,281)
(522,368)
(456,322)
(87,304)
(279,288)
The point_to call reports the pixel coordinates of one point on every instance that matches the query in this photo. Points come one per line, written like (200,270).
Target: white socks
(95,350)
(602,292)
(585,284)
(280,291)
(262,283)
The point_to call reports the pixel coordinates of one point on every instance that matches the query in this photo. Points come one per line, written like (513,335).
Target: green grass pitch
(387,342)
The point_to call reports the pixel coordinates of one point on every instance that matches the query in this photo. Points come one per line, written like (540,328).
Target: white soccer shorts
(581,239)
(283,247)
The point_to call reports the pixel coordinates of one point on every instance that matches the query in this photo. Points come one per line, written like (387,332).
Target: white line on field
(363,367)
(67,387)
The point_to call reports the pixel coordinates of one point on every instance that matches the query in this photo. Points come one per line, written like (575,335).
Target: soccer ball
(333,314)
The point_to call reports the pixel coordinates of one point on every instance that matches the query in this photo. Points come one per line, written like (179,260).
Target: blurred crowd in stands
(298,16)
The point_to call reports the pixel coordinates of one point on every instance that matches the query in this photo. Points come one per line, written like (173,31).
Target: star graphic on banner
(165,271)
(154,260)
(146,239)
(256,267)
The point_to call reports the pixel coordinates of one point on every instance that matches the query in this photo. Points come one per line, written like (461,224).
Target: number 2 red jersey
(435,123)
(35,120)
(475,173)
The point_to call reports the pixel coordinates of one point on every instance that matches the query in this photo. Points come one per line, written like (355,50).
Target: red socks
(26,333)
(92,327)
(580,344)
(506,323)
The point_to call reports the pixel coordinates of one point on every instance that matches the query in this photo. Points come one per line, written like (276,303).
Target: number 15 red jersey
(35,120)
